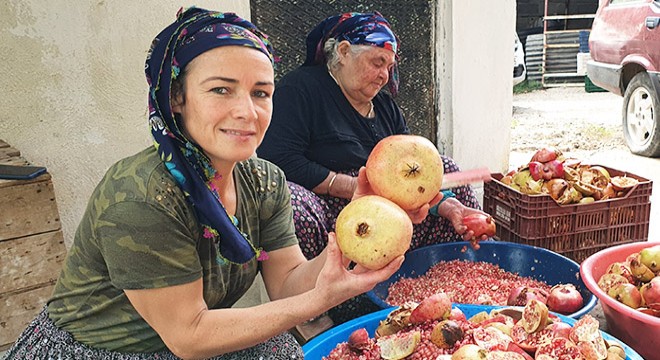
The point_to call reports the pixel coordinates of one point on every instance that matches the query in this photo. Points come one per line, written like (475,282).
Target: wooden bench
(31,247)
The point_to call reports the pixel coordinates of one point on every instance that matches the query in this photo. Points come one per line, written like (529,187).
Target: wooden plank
(9,152)
(18,310)
(27,208)
(7,183)
(31,261)
(16,160)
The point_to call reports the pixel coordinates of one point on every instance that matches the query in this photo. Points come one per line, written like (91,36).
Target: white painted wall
(475,60)
(74,94)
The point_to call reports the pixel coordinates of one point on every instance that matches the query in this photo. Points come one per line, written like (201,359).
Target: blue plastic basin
(324,343)
(529,261)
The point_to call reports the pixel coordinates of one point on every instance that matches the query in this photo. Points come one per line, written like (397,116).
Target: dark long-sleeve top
(315,130)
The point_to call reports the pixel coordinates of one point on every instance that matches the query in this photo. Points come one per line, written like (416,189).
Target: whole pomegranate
(406,169)
(373,231)
(627,294)
(564,299)
(650,291)
(480,224)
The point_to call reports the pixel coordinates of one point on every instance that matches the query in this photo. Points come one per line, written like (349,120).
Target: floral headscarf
(194,32)
(358,29)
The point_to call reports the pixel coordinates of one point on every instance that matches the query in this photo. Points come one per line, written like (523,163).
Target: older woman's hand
(416,216)
(455,211)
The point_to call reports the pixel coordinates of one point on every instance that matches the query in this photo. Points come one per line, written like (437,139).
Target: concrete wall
(75,97)
(74,94)
(475,57)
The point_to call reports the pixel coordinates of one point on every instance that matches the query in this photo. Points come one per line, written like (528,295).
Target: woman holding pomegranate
(173,236)
(328,115)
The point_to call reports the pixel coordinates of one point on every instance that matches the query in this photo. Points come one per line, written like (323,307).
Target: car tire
(641,114)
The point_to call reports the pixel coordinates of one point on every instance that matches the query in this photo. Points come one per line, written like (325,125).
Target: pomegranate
(469,352)
(446,333)
(560,329)
(593,349)
(546,154)
(609,280)
(550,170)
(534,317)
(480,225)
(558,348)
(627,294)
(373,231)
(586,330)
(457,314)
(406,169)
(399,346)
(615,350)
(564,299)
(650,257)
(491,338)
(536,170)
(622,269)
(650,291)
(520,295)
(518,350)
(434,307)
(555,188)
(530,342)
(504,355)
(359,340)
(640,271)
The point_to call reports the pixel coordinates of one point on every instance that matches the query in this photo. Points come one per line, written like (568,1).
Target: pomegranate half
(372,231)
(406,169)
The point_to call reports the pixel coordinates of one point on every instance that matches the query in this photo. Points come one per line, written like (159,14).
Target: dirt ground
(568,118)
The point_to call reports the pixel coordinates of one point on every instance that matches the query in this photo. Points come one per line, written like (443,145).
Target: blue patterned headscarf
(194,32)
(358,29)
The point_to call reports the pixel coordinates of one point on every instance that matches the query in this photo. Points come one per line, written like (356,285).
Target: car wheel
(641,113)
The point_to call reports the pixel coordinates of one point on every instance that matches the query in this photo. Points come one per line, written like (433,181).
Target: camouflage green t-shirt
(139,232)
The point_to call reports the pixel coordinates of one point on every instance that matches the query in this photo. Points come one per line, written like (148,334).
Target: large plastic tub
(639,330)
(525,260)
(323,344)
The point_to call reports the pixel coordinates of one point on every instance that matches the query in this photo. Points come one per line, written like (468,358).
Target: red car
(625,50)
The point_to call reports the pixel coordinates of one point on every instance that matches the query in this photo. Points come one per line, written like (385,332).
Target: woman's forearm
(337,185)
(225,330)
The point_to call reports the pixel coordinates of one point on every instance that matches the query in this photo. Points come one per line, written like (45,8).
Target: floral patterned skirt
(315,215)
(42,340)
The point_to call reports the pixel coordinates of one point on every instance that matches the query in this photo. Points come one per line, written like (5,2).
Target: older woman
(327,117)
(175,234)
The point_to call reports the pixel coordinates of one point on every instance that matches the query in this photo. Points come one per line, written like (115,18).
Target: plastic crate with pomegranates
(589,208)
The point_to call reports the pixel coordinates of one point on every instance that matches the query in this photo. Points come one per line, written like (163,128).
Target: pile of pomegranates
(433,329)
(405,172)
(635,282)
(562,298)
(566,180)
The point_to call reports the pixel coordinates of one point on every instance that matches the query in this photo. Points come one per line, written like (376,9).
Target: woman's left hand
(340,283)
(416,216)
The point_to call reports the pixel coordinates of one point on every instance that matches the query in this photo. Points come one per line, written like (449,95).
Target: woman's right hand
(339,283)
